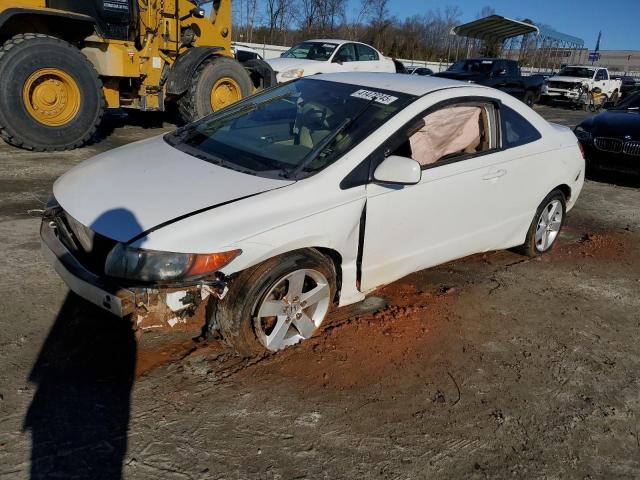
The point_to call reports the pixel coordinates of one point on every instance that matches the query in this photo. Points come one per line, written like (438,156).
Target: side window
(602,75)
(366,53)
(512,69)
(450,133)
(347,53)
(516,130)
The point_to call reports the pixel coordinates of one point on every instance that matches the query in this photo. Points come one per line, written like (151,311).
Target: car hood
(463,76)
(614,124)
(282,64)
(127,191)
(568,79)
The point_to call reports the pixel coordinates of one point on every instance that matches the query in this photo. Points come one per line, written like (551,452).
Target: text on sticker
(382,98)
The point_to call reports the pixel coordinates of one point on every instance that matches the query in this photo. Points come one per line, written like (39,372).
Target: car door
(345,59)
(368,59)
(602,80)
(460,206)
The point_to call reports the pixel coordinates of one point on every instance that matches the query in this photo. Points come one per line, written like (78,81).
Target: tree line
(425,36)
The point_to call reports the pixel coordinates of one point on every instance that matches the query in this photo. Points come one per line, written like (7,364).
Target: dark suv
(497,73)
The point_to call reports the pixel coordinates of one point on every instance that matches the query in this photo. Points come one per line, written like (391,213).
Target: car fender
(185,67)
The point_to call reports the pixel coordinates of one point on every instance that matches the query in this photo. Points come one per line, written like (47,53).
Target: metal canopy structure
(494,28)
(533,47)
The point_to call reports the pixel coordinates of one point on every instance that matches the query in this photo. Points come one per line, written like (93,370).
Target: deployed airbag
(446,131)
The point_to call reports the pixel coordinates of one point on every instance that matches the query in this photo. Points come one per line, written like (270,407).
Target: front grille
(100,246)
(632,148)
(561,85)
(607,144)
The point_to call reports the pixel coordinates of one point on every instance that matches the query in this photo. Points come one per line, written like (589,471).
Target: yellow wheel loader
(63,62)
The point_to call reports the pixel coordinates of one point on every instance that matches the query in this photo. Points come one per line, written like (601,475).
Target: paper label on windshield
(382,98)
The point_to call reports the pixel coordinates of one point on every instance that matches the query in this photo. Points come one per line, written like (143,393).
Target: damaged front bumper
(151,307)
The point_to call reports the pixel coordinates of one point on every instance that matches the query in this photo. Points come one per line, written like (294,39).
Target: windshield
(580,72)
(290,131)
(472,66)
(632,102)
(320,51)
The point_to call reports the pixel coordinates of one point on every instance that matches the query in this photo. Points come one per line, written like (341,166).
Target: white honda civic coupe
(258,219)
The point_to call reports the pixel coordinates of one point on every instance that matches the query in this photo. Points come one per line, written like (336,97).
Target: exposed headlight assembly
(292,73)
(582,134)
(153,266)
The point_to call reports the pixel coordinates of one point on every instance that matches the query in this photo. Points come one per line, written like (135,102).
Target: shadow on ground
(79,415)
(615,178)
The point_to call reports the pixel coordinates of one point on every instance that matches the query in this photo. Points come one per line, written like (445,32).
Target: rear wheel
(278,303)
(261,73)
(217,83)
(546,225)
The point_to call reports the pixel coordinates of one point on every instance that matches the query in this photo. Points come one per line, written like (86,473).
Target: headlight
(293,73)
(153,266)
(582,134)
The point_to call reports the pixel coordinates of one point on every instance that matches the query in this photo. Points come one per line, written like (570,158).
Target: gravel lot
(491,366)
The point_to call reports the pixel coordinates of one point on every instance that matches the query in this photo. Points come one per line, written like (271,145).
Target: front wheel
(217,83)
(278,303)
(529,99)
(545,227)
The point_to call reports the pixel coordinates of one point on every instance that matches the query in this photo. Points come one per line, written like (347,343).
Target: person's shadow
(79,415)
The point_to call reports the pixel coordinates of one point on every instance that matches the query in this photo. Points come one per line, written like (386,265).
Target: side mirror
(198,12)
(398,170)
(337,60)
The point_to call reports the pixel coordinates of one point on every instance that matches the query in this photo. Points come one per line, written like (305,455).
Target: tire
(37,70)
(197,102)
(261,73)
(529,98)
(532,246)
(237,314)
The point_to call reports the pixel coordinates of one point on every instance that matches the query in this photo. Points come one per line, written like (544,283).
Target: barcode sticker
(382,98)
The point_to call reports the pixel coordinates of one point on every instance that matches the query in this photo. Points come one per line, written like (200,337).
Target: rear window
(516,130)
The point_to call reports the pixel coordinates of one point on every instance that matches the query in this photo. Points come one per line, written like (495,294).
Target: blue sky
(619,20)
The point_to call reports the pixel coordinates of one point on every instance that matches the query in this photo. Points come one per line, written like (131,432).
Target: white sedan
(329,56)
(307,196)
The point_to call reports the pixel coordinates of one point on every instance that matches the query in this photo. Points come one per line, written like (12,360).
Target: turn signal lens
(203,264)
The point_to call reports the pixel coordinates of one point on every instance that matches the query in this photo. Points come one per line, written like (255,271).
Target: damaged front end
(153,299)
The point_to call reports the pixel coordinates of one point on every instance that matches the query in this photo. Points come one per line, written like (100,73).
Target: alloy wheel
(292,309)
(548,226)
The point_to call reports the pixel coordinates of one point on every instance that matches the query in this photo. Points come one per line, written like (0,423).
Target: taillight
(581,149)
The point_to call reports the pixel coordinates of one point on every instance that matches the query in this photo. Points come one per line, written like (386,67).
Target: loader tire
(51,97)
(261,73)
(217,83)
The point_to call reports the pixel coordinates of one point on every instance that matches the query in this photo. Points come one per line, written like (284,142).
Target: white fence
(274,51)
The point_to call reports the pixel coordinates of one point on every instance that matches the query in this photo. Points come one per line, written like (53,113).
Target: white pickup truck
(569,82)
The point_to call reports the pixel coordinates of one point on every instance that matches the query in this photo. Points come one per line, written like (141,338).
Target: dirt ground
(489,367)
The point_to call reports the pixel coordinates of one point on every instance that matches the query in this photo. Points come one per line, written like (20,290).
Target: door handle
(495,174)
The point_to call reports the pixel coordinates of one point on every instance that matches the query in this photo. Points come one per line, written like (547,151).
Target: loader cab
(114,18)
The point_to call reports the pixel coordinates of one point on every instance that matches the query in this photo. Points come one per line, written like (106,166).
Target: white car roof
(411,84)
(329,40)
